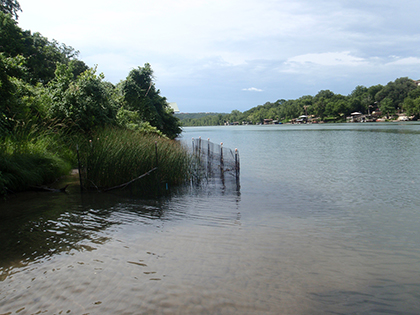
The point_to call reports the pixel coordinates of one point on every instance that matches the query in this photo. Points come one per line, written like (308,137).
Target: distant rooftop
(174,106)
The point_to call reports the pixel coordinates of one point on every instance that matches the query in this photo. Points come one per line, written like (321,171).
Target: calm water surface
(326,221)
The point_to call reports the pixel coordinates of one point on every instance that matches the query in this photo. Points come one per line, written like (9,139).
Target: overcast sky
(221,55)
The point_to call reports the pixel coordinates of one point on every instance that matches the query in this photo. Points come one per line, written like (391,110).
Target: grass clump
(30,161)
(114,156)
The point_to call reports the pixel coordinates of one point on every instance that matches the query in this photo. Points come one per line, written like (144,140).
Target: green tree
(337,107)
(11,7)
(11,36)
(320,102)
(396,92)
(84,103)
(235,116)
(412,103)
(10,68)
(387,107)
(360,100)
(140,94)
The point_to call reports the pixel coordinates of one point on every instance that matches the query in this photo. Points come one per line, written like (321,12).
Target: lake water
(327,220)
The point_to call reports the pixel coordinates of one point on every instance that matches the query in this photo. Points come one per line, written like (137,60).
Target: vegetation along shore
(399,98)
(52,103)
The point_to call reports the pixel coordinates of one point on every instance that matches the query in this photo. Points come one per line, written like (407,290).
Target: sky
(224,55)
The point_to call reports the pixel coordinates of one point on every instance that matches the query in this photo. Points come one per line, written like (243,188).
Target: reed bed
(116,156)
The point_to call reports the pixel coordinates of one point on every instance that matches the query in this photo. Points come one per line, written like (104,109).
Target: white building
(174,107)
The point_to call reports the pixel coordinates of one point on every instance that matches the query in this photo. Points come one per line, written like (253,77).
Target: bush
(26,163)
(84,103)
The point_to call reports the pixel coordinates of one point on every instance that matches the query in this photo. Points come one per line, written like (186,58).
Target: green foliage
(131,120)
(329,107)
(12,90)
(183,116)
(31,159)
(11,36)
(412,103)
(83,103)
(140,95)
(387,106)
(395,92)
(115,156)
(40,54)
(211,119)
(44,87)
(11,7)
(49,98)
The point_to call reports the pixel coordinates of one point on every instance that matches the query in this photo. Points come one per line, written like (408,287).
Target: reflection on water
(326,222)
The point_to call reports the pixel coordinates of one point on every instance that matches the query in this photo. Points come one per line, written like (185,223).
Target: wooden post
(237,169)
(236,163)
(208,157)
(221,156)
(208,146)
(222,166)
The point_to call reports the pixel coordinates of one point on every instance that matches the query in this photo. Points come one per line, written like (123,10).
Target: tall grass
(30,159)
(109,157)
(115,156)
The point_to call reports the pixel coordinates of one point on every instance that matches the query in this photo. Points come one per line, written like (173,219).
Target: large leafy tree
(11,36)
(387,106)
(412,103)
(9,109)
(320,101)
(395,92)
(140,95)
(11,7)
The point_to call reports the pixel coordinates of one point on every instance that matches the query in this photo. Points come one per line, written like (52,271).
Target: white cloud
(252,89)
(406,61)
(204,51)
(327,59)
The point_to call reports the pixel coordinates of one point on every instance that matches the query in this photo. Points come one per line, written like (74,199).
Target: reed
(115,156)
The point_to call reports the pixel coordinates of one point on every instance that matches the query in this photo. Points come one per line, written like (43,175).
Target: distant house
(268,121)
(174,107)
(356,117)
(303,119)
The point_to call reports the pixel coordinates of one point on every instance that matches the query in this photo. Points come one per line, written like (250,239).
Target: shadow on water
(38,225)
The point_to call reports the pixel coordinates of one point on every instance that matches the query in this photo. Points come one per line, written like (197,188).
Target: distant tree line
(43,82)
(401,95)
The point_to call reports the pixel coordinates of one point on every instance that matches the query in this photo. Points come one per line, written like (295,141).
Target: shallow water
(326,221)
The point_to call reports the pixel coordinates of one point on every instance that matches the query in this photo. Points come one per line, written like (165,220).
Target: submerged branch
(131,181)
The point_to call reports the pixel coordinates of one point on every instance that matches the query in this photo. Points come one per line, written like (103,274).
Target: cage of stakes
(217,163)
